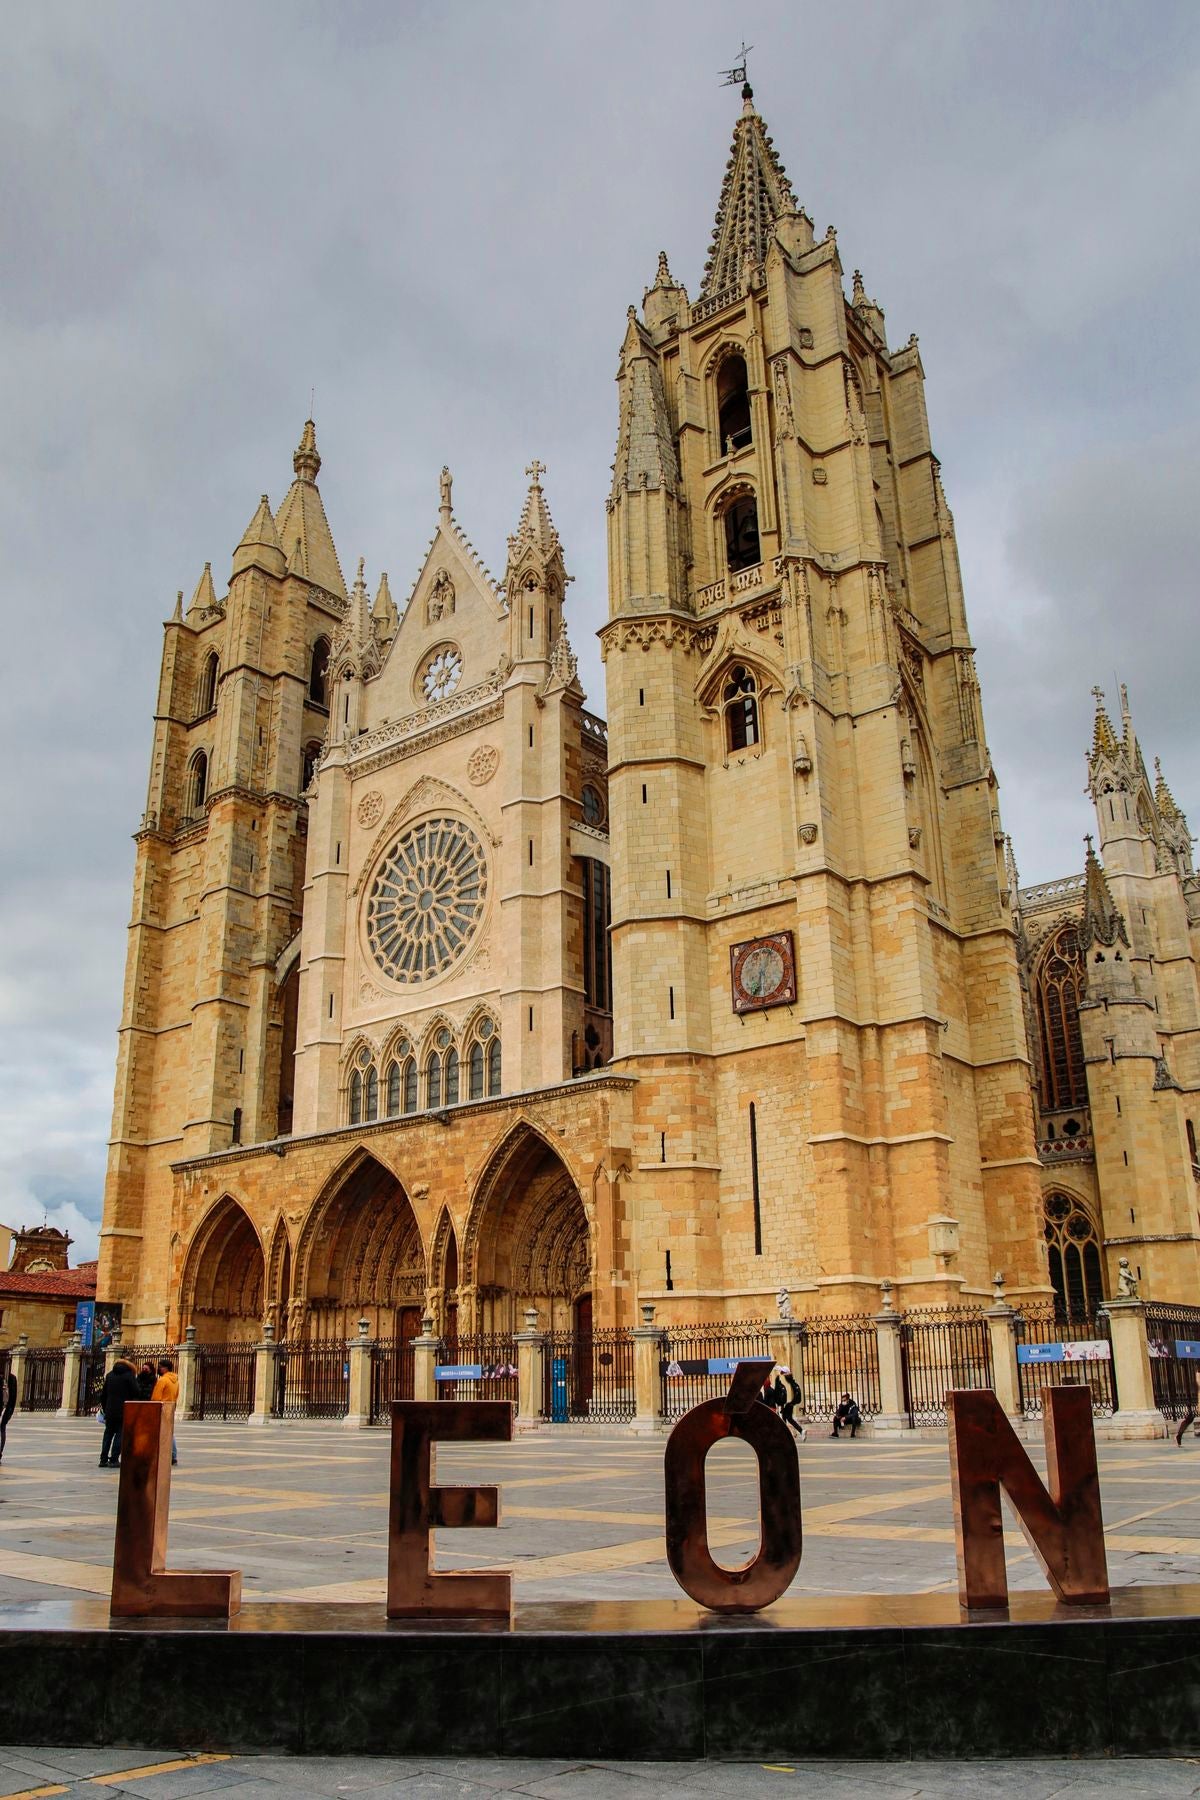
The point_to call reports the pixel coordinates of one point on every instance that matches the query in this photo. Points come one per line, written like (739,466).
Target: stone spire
(260,543)
(536,528)
(356,641)
(384,615)
(564,666)
(1164,799)
(1104,738)
(646,454)
(301,523)
(755,193)
(205,595)
(1102,923)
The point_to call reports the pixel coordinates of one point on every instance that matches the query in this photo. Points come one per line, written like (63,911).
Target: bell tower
(815,980)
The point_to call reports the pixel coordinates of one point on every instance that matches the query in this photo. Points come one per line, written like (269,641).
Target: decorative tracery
(1058,987)
(427,900)
(1074,1251)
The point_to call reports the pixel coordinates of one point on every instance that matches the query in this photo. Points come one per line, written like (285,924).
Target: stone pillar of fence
(114,1353)
(1002,1331)
(785,1337)
(187,1367)
(892,1414)
(1136,1416)
(531,1366)
(72,1372)
(18,1363)
(358,1351)
(265,1355)
(648,1339)
(425,1355)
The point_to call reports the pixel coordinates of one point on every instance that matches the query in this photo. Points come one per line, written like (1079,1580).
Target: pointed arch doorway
(527,1241)
(221,1293)
(360,1257)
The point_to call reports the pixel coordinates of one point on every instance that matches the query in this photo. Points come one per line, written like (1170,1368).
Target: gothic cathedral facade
(446,998)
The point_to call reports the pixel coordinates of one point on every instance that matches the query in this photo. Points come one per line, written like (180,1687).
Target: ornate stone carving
(370,808)
(439,602)
(808,832)
(914,837)
(482,764)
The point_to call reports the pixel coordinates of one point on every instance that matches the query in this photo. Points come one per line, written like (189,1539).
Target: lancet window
(206,697)
(197,787)
(739,702)
(1076,1271)
(318,673)
(733,406)
(741,533)
(1058,988)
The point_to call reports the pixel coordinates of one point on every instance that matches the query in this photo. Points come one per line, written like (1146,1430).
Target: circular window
(593,806)
(426,900)
(441,672)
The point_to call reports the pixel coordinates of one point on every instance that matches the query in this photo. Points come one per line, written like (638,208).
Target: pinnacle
(1163,797)
(1102,923)
(755,193)
(306,461)
(205,594)
(536,527)
(261,529)
(1104,738)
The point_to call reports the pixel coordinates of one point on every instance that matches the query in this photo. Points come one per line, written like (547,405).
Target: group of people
(781,1392)
(123,1382)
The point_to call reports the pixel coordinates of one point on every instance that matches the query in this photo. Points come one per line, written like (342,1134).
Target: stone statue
(444,483)
(1127,1287)
(783,1301)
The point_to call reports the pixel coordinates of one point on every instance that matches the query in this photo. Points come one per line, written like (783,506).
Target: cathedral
(446,996)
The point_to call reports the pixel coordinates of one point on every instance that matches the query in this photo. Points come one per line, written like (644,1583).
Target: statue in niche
(440,603)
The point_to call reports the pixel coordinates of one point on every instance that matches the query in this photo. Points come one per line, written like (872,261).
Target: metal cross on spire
(1098,694)
(736,77)
(535,471)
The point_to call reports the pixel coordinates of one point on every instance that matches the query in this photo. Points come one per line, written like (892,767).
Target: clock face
(763,972)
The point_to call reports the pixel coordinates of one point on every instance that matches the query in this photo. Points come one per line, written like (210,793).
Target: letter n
(1064,1526)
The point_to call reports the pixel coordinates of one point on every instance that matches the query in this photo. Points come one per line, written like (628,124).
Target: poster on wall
(107,1323)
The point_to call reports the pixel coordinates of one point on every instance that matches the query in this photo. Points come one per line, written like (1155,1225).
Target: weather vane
(736,77)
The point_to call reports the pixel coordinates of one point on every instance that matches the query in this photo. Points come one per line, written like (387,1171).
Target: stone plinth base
(642,1680)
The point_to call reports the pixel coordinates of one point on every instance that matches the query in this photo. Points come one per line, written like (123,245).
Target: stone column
(358,1350)
(265,1355)
(187,1367)
(531,1353)
(1001,1323)
(1136,1415)
(892,1414)
(113,1353)
(72,1371)
(17,1364)
(425,1356)
(648,1340)
(785,1337)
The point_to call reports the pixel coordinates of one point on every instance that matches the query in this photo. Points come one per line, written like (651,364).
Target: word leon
(1062,1523)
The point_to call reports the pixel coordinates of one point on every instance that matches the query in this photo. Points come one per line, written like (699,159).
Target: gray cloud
(437,216)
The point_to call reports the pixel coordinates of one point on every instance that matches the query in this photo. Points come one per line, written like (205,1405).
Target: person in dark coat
(120,1385)
(10,1407)
(787,1399)
(848,1416)
(145,1381)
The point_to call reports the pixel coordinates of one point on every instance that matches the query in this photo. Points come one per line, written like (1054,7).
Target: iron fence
(940,1349)
(495,1353)
(838,1356)
(1048,1326)
(686,1351)
(392,1370)
(1174,1380)
(91,1380)
(43,1380)
(224,1381)
(588,1375)
(312,1381)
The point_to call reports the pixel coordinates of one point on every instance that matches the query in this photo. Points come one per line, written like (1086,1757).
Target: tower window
(371,1094)
(741,533)
(355,1098)
(308,767)
(410,1086)
(493,1067)
(318,673)
(207,697)
(197,783)
(475,1072)
(733,405)
(452,1077)
(393,1089)
(740,705)
(1058,988)
(1074,1253)
(593,805)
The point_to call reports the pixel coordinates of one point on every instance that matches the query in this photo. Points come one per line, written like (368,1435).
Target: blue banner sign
(1039,1353)
(458,1372)
(1187,1349)
(85,1319)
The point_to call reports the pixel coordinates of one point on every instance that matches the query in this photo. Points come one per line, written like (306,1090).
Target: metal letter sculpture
(770,1573)
(142,1588)
(416,1508)
(1064,1527)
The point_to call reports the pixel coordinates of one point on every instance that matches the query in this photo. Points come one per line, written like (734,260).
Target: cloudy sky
(435,216)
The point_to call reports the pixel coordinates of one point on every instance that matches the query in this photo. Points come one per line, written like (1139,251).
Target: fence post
(358,1412)
(1136,1415)
(892,1414)
(425,1354)
(114,1353)
(18,1364)
(648,1339)
(785,1338)
(531,1363)
(1001,1324)
(265,1355)
(187,1367)
(72,1370)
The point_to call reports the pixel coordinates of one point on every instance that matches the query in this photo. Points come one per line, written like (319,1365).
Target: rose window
(426,900)
(441,672)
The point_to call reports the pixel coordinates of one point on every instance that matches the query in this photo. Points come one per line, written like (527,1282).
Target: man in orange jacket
(167,1388)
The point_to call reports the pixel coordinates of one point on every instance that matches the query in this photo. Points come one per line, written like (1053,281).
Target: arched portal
(222,1289)
(527,1240)
(360,1256)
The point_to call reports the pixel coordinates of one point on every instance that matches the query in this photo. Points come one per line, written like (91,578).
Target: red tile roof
(49,1284)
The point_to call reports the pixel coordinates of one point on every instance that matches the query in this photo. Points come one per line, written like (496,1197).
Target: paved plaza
(302,1510)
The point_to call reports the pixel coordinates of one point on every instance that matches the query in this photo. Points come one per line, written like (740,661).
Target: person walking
(787,1399)
(120,1385)
(10,1407)
(166,1389)
(848,1416)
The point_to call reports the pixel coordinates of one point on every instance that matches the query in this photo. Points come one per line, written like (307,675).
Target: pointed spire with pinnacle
(755,193)
(384,615)
(536,527)
(302,525)
(1104,738)
(205,595)
(1164,799)
(1102,923)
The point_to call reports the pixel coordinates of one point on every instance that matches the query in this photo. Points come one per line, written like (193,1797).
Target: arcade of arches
(362,1251)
